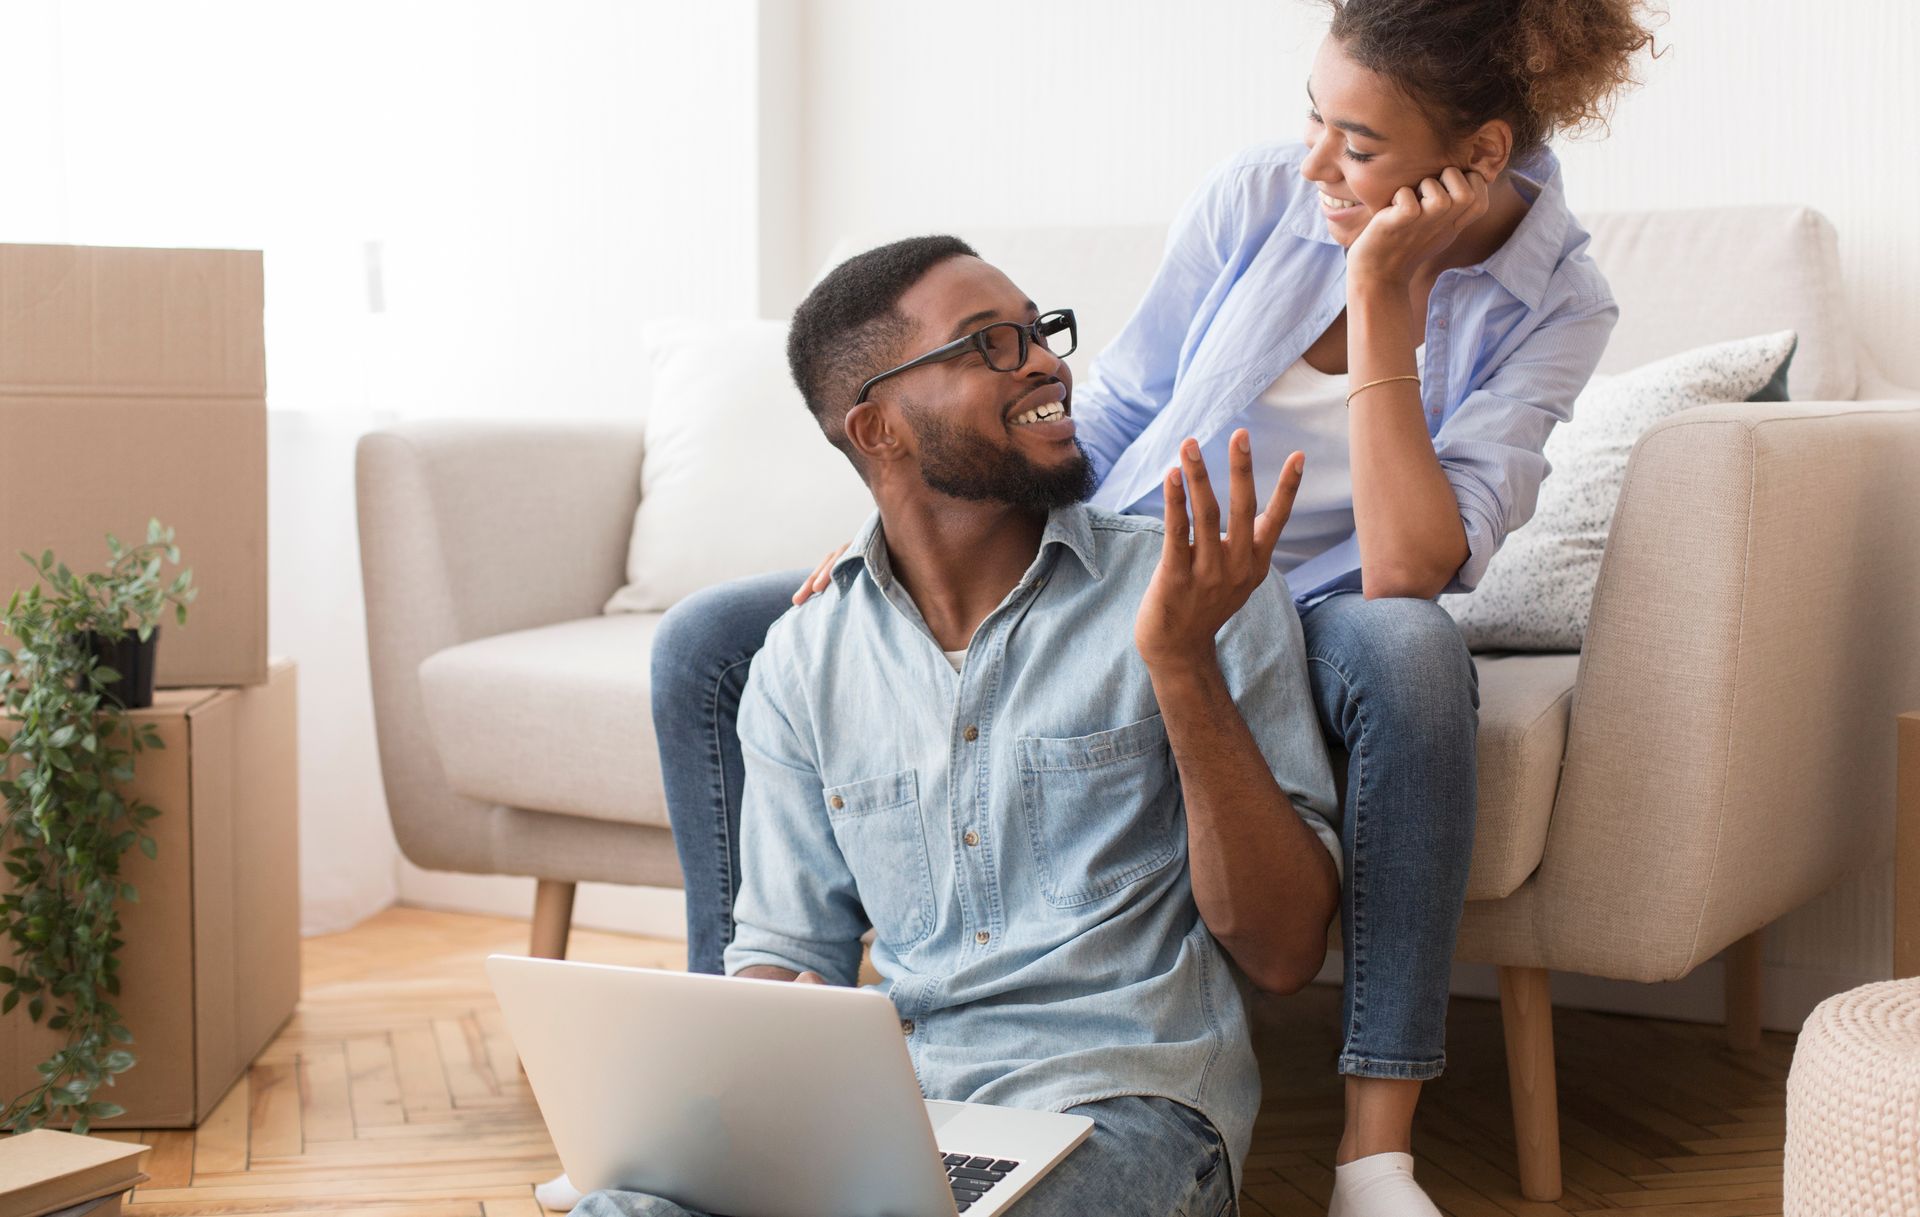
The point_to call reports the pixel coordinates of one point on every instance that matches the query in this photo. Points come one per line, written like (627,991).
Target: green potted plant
(67,824)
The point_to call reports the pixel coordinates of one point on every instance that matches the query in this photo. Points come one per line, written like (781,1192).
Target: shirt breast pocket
(877,824)
(1100,810)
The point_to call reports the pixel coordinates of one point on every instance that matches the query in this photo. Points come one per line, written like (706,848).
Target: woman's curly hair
(1545,66)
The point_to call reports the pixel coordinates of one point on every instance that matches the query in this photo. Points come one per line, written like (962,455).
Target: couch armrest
(467,530)
(1755,629)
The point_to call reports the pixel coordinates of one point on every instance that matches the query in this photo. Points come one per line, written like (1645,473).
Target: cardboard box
(211,966)
(133,385)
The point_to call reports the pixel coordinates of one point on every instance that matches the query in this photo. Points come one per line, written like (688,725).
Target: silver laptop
(757,1098)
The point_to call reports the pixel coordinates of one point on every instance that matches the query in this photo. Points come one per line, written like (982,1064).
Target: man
(1064,763)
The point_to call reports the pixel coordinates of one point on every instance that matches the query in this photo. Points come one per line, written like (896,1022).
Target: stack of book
(56,1174)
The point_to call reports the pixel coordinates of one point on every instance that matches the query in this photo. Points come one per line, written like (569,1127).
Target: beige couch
(1719,753)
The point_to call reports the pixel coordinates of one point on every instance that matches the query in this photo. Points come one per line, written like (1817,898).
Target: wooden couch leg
(1743,993)
(552,918)
(1526,1014)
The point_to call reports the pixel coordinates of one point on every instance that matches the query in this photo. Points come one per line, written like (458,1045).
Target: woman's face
(1365,140)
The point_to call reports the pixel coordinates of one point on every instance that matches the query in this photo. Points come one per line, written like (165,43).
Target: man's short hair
(849,328)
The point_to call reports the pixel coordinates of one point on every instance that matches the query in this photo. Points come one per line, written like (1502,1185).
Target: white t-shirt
(1304,410)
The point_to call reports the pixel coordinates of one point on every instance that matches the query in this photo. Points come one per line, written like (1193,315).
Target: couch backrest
(1683,279)
(1688,278)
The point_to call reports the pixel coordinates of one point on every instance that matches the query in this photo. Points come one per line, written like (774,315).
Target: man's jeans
(1146,1157)
(1398,700)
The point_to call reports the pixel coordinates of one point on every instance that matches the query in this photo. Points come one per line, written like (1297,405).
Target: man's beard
(966,465)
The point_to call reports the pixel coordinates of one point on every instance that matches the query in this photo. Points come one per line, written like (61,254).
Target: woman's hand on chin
(1420,223)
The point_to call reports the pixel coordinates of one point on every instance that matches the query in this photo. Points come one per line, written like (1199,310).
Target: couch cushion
(1525,701)
(1538,591)
(556,719)
(560,719)
(727,434)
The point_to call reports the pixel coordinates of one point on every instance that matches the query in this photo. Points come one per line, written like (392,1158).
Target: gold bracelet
(1382,381)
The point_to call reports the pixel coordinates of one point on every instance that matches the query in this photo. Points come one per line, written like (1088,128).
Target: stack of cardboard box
(133,386)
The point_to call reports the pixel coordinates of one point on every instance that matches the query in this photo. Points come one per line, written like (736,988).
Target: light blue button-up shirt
(1014,832)
(1251,277)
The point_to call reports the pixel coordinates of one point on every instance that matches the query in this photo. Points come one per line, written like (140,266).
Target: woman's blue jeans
(1399,703)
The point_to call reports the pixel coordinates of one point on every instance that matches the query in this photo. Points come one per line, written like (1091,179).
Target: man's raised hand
(1204,580)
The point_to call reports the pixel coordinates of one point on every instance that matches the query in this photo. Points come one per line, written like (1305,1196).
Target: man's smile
(1046,407)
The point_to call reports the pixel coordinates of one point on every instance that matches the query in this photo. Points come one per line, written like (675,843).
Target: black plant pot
(134,660)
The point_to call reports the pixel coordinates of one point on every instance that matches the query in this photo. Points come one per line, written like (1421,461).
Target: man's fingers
(810,978)
(1204,507)
(1174,550)
(1267,529)
(1240,506)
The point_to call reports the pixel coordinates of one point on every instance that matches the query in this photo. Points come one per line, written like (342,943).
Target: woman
(1404,297)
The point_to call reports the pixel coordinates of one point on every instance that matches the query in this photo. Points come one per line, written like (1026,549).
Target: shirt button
(836,802)
(1443,323)
(982,937)
(971,734)
(906,1026)
(972,837)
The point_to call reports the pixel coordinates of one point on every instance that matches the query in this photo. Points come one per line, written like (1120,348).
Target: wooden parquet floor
(394,1092)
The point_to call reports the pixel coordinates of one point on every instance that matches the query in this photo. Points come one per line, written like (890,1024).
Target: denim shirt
(1014,832)
(1251,277)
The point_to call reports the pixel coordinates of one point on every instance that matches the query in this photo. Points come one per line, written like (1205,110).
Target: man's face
(982,434)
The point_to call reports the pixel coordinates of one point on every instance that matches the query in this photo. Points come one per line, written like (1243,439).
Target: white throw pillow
(1538,590)
(737,478)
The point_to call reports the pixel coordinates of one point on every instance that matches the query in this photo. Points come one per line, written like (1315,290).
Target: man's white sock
(557,1194)
(1379,1185)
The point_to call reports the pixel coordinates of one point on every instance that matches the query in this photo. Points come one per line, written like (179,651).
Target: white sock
(1379,1185)
(557,1194)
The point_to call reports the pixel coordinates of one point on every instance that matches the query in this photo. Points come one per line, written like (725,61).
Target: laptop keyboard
(971,1177)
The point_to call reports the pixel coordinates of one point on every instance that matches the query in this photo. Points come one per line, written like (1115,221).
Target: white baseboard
(655,912)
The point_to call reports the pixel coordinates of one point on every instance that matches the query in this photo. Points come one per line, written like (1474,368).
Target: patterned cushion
(1536,592)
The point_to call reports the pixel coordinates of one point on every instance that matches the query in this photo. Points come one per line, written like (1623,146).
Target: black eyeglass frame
(1029,335)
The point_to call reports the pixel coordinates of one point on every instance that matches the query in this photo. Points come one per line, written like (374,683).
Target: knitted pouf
(1853,1105)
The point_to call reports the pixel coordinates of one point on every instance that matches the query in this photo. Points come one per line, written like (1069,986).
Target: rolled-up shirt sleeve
(1263,656)
(1492,447)
(798,907)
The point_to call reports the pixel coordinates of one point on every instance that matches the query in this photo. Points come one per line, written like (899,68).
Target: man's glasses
(1004,345)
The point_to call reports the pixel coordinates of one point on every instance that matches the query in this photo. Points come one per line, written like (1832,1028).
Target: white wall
(465,208)
(1110,111)
(1078,111)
